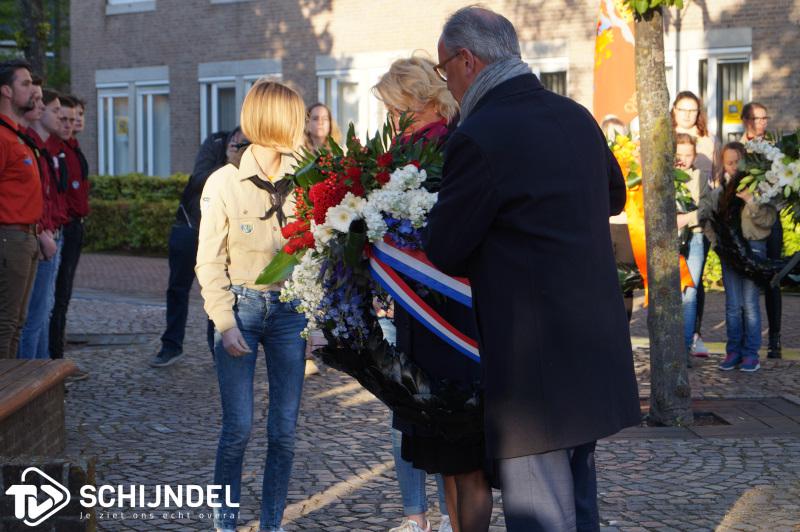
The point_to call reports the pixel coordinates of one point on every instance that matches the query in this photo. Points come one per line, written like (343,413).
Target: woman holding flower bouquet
(243,211)
(412,86)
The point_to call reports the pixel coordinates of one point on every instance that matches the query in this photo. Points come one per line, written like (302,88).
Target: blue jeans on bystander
(695,261)
(34,343)
(742,312)
(262,319)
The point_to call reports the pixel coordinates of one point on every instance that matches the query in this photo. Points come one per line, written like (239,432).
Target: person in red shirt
(77,194)
(21,205)
(43,122)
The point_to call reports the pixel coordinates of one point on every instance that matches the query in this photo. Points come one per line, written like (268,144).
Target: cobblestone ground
(160,426)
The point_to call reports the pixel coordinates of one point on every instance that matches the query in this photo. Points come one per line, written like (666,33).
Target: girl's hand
(234,343)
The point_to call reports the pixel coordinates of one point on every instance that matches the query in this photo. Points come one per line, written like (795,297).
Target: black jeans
(73,234)
(182,260)
(772,296)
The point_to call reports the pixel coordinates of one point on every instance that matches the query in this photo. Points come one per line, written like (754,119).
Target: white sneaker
(411,526)
(698,349)
(445,525)
(311,368)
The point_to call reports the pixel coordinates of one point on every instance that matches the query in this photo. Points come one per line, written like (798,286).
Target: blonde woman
(412,86)
(319,126)
(242,211)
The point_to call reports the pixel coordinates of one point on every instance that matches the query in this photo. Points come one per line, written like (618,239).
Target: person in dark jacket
(528,186)
(217,150)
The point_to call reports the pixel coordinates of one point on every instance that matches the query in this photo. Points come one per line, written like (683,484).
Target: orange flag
(615,96)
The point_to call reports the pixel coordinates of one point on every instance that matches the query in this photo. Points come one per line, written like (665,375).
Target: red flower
(300,242)
(325,195)
(382,177)
(354,173)
(385,159)
(292,229)
(415,163)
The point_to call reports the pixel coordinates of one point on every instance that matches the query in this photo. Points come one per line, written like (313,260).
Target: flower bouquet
(347,200)
(773,172)
(773,177)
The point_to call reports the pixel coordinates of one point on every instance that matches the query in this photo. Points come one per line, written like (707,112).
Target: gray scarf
(490,77)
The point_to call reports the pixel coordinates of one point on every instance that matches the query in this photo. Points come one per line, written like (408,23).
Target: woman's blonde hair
(334,132)
(273,115)
(413,81)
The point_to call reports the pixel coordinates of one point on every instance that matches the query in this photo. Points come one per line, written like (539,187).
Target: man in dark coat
(528,186)
(216,151)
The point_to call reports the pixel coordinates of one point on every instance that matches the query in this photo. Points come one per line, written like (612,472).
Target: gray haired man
(527,189)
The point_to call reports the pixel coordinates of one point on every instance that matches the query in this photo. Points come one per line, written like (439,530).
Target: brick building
(162,74)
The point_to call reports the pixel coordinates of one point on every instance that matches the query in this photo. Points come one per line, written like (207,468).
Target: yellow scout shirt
(235,243)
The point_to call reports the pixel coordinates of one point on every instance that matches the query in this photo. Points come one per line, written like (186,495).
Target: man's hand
(683,220)
(746,195)
(47,244)
(234,343)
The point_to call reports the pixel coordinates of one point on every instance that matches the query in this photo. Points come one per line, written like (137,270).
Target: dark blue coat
(528,187)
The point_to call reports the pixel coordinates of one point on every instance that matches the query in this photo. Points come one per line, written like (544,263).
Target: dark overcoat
(528,187)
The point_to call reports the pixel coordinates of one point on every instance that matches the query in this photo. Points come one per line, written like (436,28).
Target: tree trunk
(34,34)
(670,396)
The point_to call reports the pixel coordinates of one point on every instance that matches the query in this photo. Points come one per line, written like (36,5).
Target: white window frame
(241,75)
(105,125)
(119,7)
(125,83)
(714,57)
(147,91)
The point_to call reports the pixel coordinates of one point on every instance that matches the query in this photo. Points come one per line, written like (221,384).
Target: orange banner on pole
(615,100)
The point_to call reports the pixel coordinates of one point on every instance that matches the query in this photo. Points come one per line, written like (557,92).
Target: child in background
(689,222)
(742,312)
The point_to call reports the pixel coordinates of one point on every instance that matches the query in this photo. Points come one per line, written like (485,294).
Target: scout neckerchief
(278,193)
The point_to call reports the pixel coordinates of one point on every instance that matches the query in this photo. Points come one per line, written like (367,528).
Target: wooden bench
(32,406)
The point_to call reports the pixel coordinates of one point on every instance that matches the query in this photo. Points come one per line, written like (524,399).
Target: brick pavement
(160,427)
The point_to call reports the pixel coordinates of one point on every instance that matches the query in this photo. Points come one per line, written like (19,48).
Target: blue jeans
(276,326)
(742,312)
(696,260)
(34,343)
(412,482)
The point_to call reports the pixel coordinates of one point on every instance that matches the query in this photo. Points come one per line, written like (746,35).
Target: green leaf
(681,176)
(641,6)
(279,269)
(633,180)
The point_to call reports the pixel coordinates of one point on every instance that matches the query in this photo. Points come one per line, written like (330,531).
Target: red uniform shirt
(55,150)
(20,187)
(78,187)
(55,201)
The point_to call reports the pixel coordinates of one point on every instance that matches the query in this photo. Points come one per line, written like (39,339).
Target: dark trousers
(701,291)
(182,260)
(551,492)
(772,296)
(19,259)
(73,234)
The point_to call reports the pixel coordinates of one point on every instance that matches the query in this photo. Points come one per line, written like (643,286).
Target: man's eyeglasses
(759,118)
(239,145)
(439,69)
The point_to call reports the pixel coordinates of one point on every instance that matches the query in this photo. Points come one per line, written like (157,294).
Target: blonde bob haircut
(411,84)
(274,116)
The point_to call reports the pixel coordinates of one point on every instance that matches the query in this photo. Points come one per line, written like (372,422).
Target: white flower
(354,203)
(322,233)
(340,218)
(303,286)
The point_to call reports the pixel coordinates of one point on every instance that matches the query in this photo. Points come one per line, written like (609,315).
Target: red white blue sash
(386,261)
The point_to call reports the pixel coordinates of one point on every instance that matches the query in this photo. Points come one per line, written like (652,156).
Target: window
(117,7)
(223,86)
(114,133)
(344,97)
(724,86)
(345,85)
(555,81)
(133,121)
(152,153)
